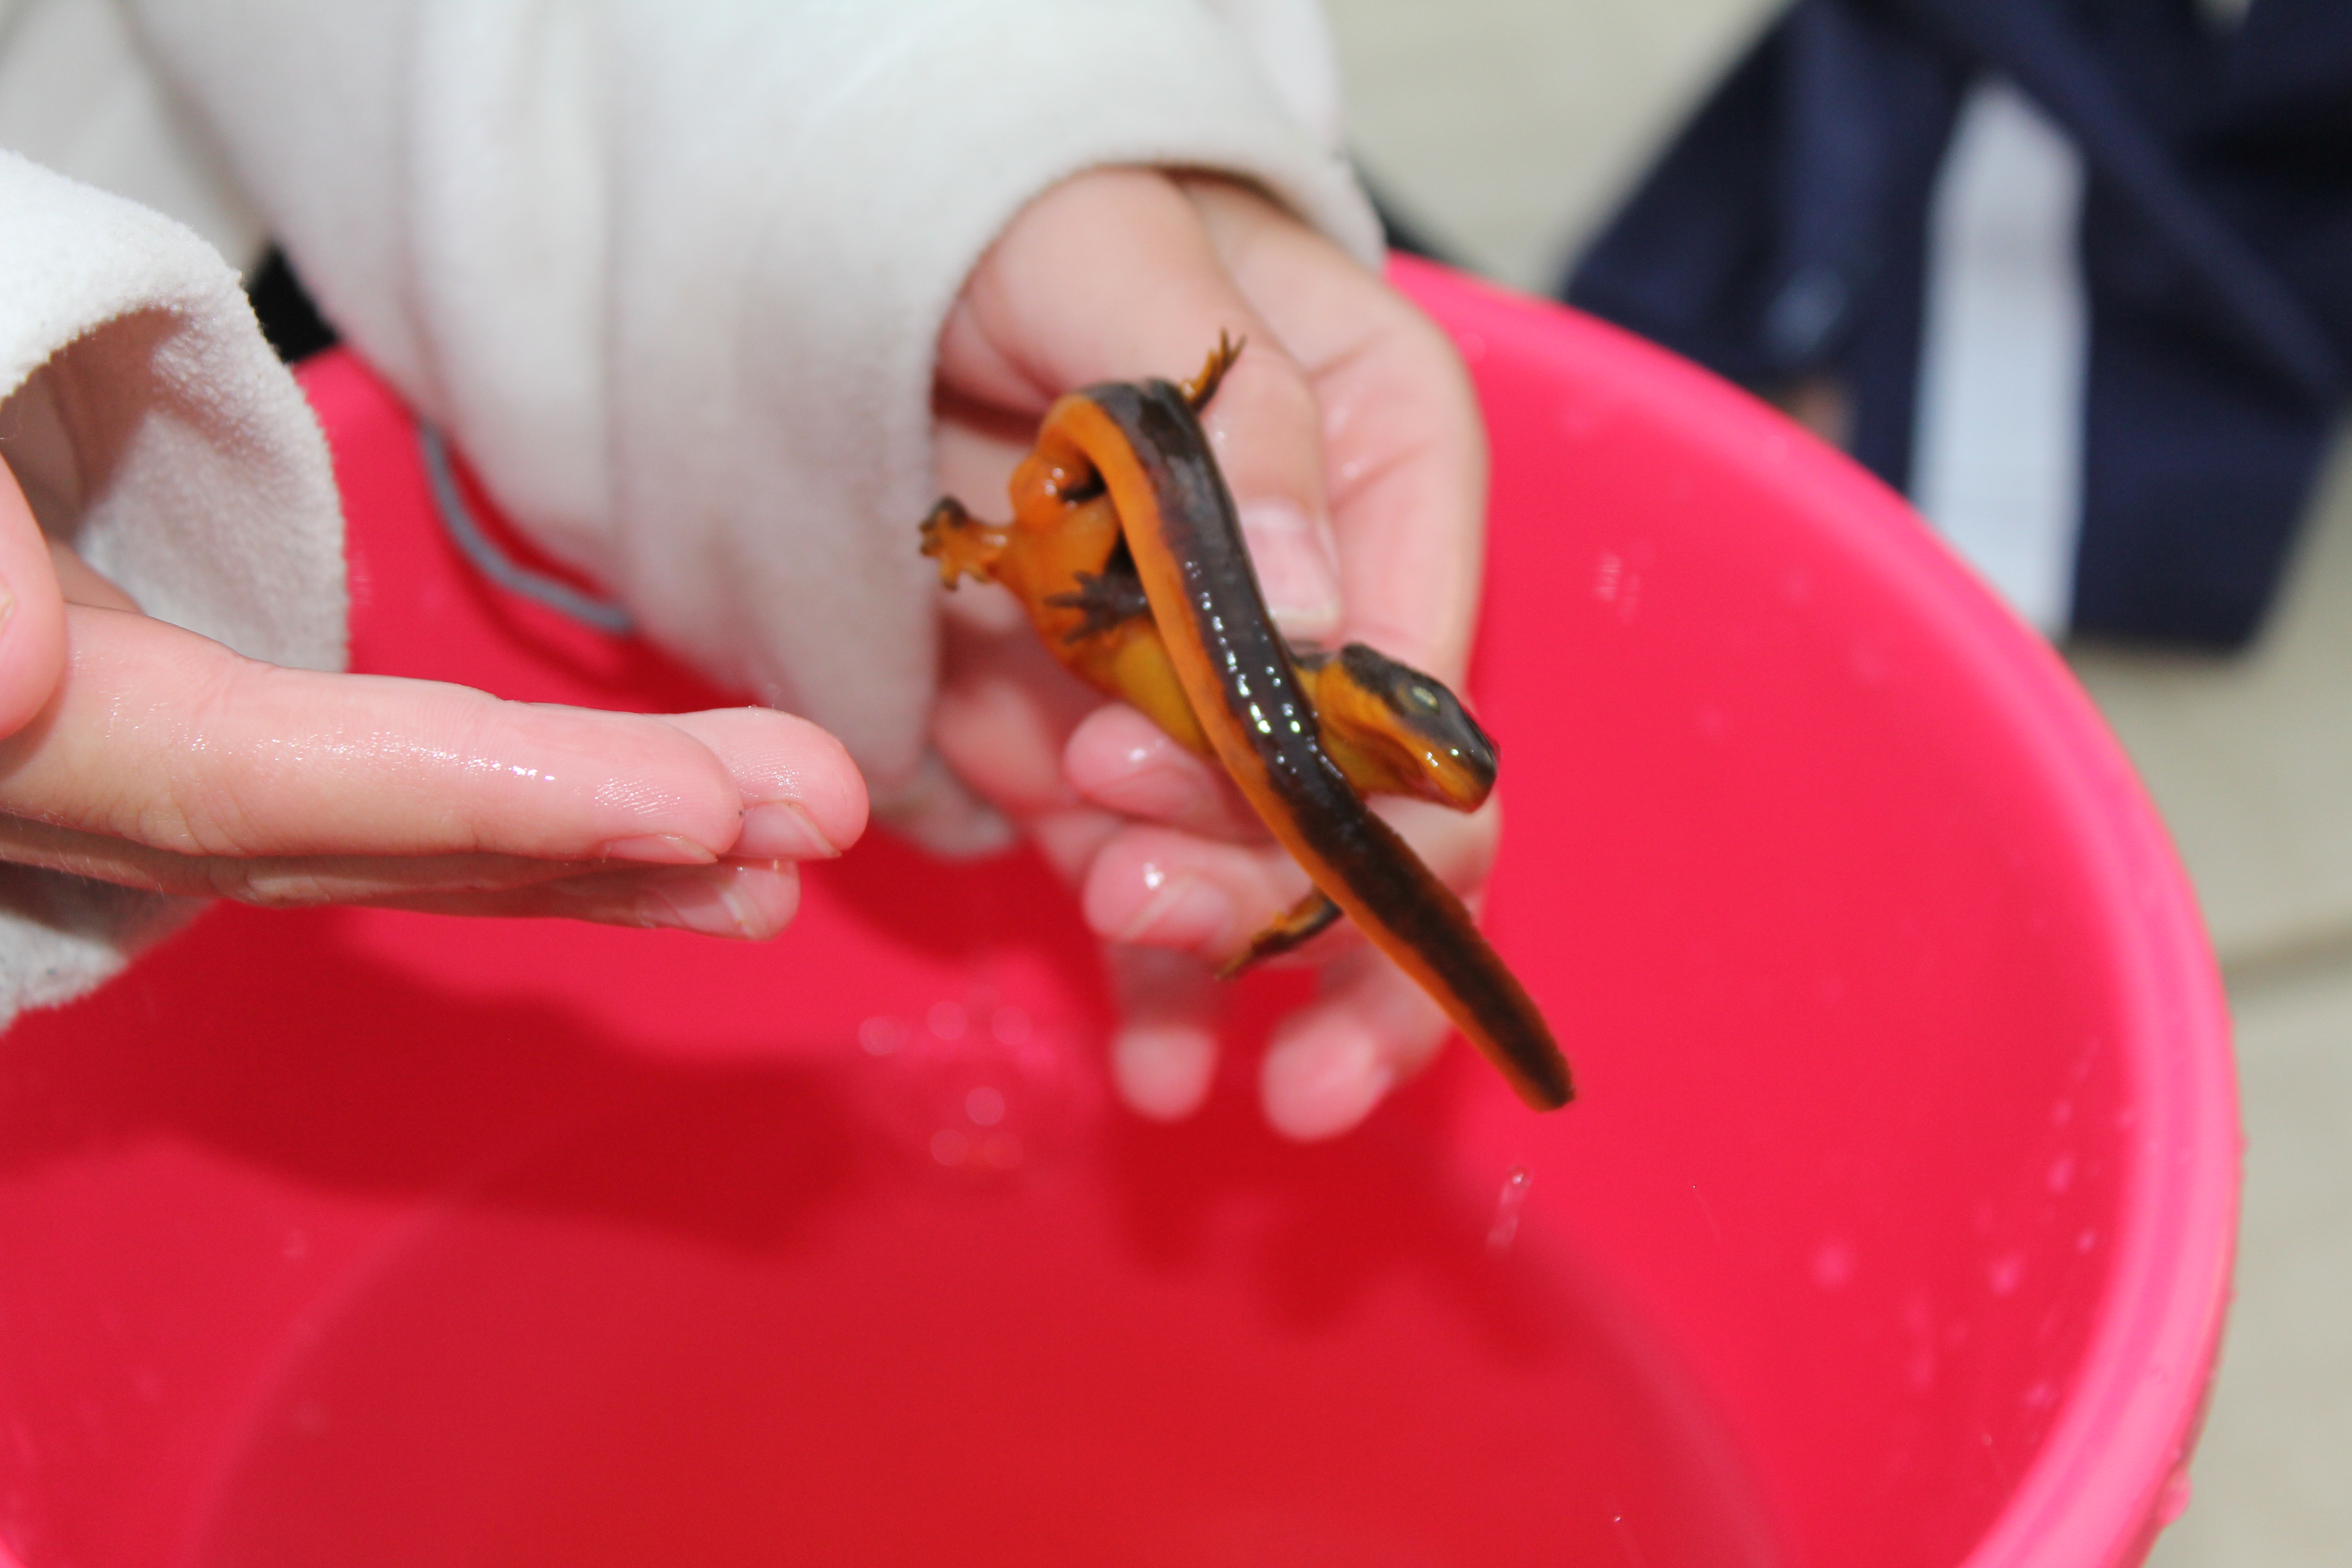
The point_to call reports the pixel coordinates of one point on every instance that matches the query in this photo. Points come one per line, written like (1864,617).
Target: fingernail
(1179,911)
(1297,566)
(781,830)
(710,904)
(658,849)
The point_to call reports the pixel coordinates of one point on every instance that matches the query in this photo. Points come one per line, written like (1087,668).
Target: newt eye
(1422,697)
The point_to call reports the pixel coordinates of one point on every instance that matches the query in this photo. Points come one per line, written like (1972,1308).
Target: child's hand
(1350,438)
(142,754)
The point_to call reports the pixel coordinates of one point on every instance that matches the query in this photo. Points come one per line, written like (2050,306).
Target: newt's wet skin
(1127,551)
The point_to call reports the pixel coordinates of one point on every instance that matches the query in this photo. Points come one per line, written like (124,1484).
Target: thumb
(32,614)
(1114,275)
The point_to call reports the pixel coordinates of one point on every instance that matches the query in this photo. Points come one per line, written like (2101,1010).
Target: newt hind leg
(962,544)
(1204,387)
(1106,601)
(1307,918)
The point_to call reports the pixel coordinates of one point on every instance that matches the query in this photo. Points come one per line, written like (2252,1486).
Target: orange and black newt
(1126,548)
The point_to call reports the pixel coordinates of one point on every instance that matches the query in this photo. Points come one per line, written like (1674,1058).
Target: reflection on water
(1505,1228)
(1197,1346)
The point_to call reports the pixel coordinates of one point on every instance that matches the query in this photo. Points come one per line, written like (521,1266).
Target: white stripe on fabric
(1997,454)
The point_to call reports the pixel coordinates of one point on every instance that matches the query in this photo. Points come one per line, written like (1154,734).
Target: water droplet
(985,1104)
(1505,1228)
(950,1147)
(1606,576)
(1833,1263)
(2085,1239)
(880,1036)
(1010,1026)
(947,1020)
(2042,1395)
(2007,1273)
(2061,1173)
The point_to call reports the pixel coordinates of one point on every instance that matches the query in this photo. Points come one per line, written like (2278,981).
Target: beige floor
(1506,128)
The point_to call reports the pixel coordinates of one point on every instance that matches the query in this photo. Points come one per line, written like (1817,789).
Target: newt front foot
(961,544)
(1310,917)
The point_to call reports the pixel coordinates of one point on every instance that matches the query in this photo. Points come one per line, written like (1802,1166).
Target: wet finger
(1122,762)
(1403,450)
(1330,1063)
(741,901)
(802,798)
(165,739)
(1163,1057)
(1153,887)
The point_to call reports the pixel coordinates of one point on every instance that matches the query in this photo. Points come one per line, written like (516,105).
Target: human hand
(1350,438)
(142,754)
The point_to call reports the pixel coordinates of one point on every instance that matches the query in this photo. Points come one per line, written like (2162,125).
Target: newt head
(1394,731)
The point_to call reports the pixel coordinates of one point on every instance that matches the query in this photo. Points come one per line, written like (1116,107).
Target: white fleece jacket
(670,271)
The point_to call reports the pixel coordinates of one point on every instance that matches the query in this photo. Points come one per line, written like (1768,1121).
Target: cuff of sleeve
(152,427)
(891,189)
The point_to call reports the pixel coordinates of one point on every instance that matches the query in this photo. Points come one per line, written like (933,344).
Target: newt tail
(1127,549)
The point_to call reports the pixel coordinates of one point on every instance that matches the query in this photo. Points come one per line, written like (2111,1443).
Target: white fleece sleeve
(672,272)
(151,427)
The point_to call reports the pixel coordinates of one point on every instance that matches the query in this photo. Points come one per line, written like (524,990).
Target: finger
(1163,1058)
(1004,712)
(32,615)
(163,738)
(1404,435)
(1122,762)
(802,798)
(1403,448)
(734,899)
(1332,1062)
(272,881)
(1156,887)
(1112,275)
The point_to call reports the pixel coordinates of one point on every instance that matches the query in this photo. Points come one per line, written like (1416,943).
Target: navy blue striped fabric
(1783,235)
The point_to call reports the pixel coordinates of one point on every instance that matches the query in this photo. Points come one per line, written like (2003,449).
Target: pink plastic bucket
(1893,1225)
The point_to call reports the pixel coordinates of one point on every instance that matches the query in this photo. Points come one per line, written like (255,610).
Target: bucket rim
(2112,1471)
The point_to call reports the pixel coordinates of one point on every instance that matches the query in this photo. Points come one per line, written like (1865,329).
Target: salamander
(1127,551)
